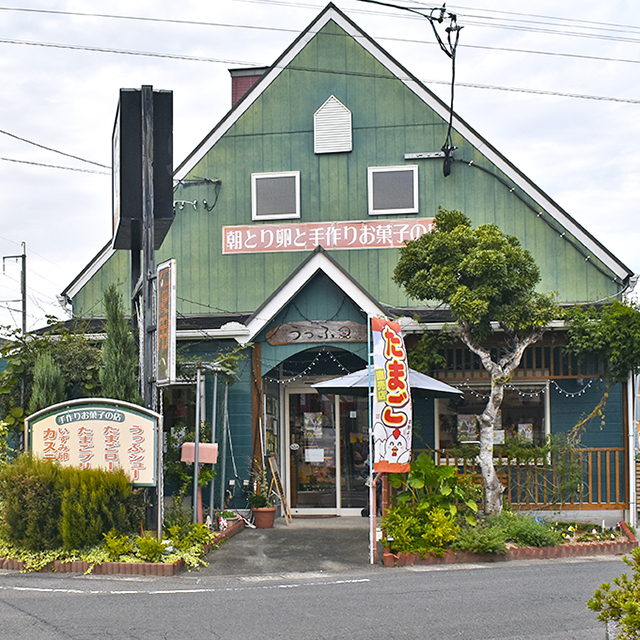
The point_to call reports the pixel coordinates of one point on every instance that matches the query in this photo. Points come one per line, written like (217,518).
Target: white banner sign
(392,412)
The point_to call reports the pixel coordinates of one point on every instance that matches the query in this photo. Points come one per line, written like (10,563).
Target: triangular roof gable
(319,260)
(332,13)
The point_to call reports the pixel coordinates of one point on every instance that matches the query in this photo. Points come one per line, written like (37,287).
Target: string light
(466,388)
(309,367)
(568,394)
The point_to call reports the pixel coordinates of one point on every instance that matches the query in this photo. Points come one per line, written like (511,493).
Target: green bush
(526,531)
(437,486)
(47,506)
(31,504)
(492,535)
(481,540)
(117,545)
(150,549)
(621,605)
(94,502)
(419,528)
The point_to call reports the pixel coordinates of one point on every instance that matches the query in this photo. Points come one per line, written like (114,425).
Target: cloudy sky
(554,86)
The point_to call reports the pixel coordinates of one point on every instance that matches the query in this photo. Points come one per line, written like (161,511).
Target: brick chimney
(242,80)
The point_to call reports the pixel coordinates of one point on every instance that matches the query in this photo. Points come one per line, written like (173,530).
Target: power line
(62,153)
(286,30)
(198,23)
(540,92)
(249,64)
(54,166)
(573,20)
(171,56)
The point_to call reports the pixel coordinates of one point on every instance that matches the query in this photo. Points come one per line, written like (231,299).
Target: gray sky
(526,75)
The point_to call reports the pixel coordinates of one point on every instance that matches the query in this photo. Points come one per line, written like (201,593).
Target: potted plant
(264,511)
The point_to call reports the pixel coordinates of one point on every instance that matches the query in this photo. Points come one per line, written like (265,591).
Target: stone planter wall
(123,568)
(517,553)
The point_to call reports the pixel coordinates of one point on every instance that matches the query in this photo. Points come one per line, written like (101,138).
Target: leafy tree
(48,385)
(613,332)
(119,353)
(75,356)
(485,277)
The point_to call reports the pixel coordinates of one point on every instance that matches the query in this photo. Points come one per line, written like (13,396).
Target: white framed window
(393,189)
(275,195)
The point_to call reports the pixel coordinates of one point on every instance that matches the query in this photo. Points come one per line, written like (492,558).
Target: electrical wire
(172,56)
(54,166)
(573,21)
(62,153)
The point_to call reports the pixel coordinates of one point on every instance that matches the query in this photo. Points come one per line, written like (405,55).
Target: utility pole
(23,282)
(23,294)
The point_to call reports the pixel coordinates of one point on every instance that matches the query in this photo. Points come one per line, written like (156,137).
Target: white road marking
(180,591)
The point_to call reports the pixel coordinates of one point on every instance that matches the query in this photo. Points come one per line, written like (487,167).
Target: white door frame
(286,435)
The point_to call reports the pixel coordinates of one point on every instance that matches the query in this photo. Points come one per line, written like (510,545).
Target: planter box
(124,568)
(517,553)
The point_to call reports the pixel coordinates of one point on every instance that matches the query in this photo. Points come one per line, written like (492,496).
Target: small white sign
(314,455)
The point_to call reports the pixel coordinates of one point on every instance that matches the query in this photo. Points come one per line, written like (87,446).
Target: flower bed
(126,568)
(517,553)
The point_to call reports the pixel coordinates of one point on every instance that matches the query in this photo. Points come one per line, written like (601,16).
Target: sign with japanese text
(166,289)
(317,331)
(306,236)
(392,411)
(94,433)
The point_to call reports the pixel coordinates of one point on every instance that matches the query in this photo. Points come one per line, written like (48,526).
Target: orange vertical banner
(392,410)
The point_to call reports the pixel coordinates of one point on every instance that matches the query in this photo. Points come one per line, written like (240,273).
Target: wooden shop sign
(317,331)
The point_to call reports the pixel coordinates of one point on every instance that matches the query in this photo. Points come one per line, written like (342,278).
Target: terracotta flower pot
(264,517)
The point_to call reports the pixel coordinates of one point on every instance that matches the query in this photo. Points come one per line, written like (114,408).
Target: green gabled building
(289,218)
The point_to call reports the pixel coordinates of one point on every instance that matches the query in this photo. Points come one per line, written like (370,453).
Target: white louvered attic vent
(332,127)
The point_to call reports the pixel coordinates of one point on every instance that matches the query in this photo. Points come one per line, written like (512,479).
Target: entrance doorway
(328,448)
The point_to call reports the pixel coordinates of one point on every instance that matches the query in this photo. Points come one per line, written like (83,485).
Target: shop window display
(521,415)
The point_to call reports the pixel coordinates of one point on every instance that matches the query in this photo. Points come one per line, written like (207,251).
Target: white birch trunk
(500,375)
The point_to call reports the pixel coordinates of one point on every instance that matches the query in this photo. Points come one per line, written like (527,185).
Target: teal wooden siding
(566,412)
(423,423)
(239,450)
(320,300)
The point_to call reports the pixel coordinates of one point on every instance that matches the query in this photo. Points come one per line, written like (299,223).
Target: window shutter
(332,127)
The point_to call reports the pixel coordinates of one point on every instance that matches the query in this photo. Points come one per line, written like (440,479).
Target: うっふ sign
(98,433)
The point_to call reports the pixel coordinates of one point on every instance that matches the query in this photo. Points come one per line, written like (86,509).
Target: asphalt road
(526,600)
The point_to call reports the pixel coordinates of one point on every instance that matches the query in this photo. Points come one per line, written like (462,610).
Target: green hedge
(48,506)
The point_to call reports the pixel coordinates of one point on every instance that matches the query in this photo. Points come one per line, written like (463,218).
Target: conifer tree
(48,384)
(119,353)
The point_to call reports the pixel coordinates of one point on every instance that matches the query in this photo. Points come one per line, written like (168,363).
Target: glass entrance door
(312,451)
(328,453)
(354,453)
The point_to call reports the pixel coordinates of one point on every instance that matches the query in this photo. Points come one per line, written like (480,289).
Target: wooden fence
(582,479)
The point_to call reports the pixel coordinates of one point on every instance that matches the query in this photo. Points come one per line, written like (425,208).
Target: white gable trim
(431,100)
(317,262)
(89,271)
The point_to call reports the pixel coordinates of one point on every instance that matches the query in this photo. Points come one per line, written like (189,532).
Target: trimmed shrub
(31,504)
(48,506)
(93,503)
